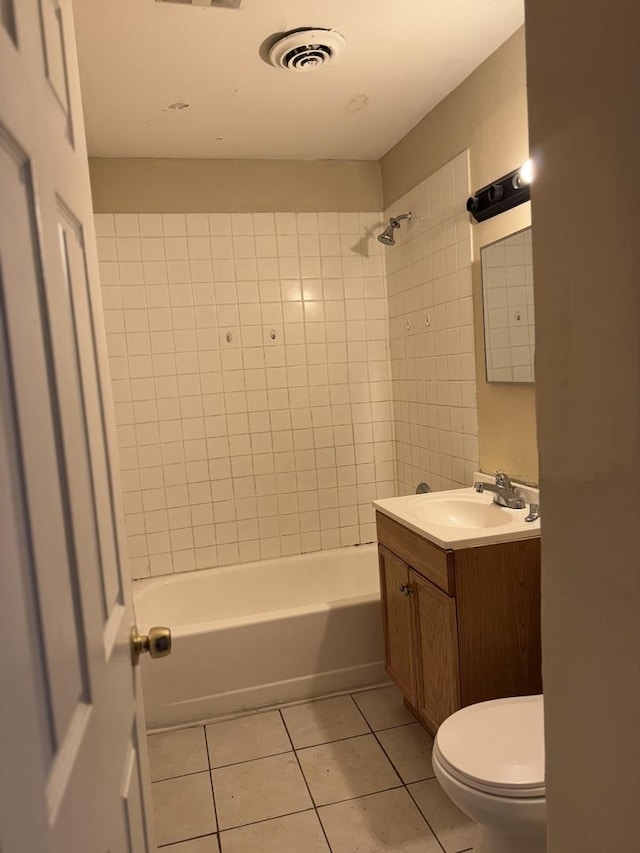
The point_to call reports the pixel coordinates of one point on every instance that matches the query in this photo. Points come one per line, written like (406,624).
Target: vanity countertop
(460,518)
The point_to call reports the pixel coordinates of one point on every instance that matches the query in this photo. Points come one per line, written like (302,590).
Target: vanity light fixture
(507,192)
(525,172)
(222,4)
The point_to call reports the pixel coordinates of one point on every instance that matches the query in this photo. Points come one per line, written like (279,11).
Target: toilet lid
(496,746)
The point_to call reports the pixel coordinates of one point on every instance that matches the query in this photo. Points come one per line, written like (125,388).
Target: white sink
(462,512)
(461,518)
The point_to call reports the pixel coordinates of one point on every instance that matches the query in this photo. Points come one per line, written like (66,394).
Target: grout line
(435,834)
(249,760)
(369,726)
(375,734)
(405,785)
(267,819)
(412,781)
(399,726)
(168,847)
(213,793)
(352,737)
(362,796)
(329,742)
(180,776)
(357,707)
(286,728)
(315,807)
(411,722)
(380,745)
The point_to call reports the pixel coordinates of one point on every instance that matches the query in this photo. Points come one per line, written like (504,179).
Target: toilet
(489,759)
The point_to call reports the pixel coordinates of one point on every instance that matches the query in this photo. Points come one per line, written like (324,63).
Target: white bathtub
(260,634)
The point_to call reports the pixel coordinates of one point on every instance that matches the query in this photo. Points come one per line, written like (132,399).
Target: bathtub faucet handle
(157,642)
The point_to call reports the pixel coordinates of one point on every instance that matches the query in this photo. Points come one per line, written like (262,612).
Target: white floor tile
(259,790)
(261,796)
(177,753)
(324,721)
(247,738)
(409,748)
(296,833)
(183,808)
(346,768)
(455,831)
(388,822)
(383,707)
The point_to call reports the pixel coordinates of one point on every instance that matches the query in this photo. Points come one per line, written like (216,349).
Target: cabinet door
(396,615)
(436,635)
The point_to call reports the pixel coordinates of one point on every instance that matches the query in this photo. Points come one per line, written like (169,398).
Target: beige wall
(585,131)
(148,185)
(487,114)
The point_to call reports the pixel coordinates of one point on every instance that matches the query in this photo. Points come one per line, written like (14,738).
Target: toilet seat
(496,747)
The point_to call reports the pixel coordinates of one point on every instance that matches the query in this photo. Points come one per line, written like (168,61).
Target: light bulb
(526,172)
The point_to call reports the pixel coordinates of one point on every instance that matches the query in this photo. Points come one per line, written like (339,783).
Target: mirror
(507,293)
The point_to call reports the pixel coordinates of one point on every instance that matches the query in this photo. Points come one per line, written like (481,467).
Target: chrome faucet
(504,493)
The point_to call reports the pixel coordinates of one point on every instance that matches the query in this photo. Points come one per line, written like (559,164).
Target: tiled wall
(251,376)
(431,331)
(507,281)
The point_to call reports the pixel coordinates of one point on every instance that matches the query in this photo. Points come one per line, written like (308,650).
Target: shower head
(387,238)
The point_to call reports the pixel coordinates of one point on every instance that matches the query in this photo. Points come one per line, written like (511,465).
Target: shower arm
(395,220)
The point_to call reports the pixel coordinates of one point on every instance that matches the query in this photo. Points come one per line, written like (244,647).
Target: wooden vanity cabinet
(397,620)
(460,626)
(436,652)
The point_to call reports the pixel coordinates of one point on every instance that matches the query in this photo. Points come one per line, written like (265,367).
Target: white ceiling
(138,56)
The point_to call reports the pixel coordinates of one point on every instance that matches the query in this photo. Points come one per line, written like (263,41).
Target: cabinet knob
(405,589)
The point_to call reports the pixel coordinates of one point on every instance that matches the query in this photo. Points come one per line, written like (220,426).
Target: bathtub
(259,634)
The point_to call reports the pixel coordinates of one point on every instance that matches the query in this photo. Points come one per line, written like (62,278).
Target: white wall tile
(432,364)
(246,449)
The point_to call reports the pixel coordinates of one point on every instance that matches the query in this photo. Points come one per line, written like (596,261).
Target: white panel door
(73,770)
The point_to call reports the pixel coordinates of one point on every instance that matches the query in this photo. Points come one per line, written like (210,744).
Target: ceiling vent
(221,4)
(306,49)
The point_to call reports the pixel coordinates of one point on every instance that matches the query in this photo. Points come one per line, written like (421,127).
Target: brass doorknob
(157,642)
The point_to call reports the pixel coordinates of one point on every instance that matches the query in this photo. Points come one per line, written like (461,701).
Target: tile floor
(337,775)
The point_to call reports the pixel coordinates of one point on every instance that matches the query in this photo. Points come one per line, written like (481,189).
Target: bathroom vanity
(460,601)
